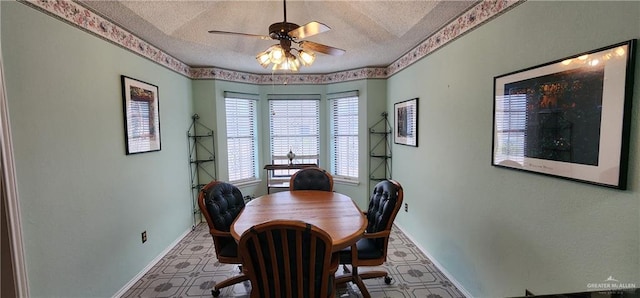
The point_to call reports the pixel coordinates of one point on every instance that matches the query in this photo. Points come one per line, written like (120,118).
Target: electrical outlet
(406,207)
(144,236)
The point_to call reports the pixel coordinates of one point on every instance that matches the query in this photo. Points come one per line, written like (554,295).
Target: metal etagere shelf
(380,150)
(202,161)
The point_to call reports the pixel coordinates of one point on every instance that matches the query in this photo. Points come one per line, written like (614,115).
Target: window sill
(352,182)
(247,183)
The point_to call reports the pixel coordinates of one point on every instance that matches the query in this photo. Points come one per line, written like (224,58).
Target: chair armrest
(380,234)
(219,233)
(354,247)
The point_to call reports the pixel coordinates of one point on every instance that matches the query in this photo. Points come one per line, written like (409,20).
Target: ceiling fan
(287,34)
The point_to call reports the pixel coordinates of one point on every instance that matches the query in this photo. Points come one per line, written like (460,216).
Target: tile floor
(190,269)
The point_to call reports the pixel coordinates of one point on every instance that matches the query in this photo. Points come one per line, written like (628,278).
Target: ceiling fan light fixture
(277,54)
(280,66)
(283,59)
(291,63)
(307,57)
(264,59)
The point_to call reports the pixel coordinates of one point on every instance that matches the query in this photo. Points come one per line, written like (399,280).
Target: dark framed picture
(568,118)
(406,126)
(141,116)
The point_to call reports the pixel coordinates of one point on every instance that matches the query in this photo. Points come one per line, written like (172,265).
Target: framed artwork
(568,118)
(141,116)
(406,118)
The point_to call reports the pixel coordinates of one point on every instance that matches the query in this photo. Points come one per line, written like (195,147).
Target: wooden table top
(335,213)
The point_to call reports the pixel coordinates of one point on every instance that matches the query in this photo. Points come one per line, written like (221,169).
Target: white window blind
(294,125)
(344,135)
(511,116)
(241,137)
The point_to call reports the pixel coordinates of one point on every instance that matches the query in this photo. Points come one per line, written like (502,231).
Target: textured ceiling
(373,33)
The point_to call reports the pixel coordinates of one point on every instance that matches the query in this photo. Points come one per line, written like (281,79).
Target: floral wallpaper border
(83,18)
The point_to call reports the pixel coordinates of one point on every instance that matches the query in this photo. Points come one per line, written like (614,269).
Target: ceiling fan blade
(320,48)
(241,34)
(308,29)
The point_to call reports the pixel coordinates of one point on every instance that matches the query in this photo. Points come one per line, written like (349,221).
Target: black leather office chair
(288,258)
(371,250)
(220,203)
(311,178)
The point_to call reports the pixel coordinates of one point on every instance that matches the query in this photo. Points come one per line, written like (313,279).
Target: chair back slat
(262,266)
(287,264)
(299,269)
(274,259)
(312,269)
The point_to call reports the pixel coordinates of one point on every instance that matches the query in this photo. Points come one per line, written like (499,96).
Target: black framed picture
(406,122)
(141,116)
(568,118)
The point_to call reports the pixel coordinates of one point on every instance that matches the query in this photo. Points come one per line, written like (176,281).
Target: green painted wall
(84,201)
(495,230)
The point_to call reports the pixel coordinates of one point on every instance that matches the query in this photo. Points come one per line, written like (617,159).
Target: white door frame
(9,193)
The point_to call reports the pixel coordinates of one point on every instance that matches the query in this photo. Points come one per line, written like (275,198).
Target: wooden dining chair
(288,258)
(220,203)
(371,249)
(311,178)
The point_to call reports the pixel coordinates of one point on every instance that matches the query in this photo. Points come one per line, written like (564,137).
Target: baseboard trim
(436,263)
(153,262)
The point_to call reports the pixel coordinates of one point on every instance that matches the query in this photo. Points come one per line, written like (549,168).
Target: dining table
(332,212)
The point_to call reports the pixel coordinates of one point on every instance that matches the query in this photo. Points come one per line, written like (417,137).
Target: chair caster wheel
(387,280)
(215,293)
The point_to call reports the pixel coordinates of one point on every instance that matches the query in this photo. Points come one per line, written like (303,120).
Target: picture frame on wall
(568,118)
(406,122)
(141,116)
